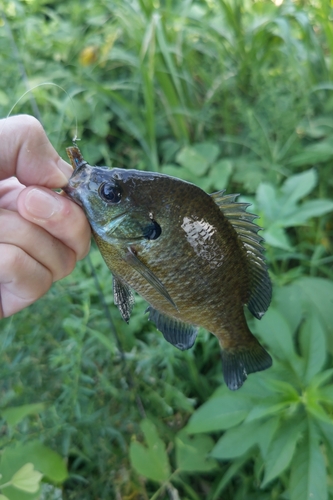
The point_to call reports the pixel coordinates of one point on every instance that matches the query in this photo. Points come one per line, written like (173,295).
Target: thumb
(27,154)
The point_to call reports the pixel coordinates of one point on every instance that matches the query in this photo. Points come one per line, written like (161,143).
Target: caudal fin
(239,362)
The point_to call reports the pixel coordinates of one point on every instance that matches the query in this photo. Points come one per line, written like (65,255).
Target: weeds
(234,95)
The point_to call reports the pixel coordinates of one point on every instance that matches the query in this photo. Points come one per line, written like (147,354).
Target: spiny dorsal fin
(247,230)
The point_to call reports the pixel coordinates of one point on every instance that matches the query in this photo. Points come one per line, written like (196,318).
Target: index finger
(27,154)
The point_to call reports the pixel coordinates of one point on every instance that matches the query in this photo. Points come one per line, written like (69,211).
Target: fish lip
(80,178)
(72,193)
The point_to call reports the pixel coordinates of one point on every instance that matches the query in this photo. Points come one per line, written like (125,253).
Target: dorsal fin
(247,230)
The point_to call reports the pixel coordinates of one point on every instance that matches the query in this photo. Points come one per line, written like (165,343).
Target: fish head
(119,203)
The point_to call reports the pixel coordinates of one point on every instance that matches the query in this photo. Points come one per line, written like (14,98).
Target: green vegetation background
(226,94)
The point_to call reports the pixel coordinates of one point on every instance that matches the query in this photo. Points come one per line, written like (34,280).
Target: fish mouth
(72,193)
(77,183)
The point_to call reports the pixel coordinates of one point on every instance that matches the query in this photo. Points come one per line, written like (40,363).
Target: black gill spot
(152,231)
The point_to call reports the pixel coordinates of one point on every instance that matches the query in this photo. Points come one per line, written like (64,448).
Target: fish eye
(109,192)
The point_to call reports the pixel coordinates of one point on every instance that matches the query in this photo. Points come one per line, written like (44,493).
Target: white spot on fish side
(199,234)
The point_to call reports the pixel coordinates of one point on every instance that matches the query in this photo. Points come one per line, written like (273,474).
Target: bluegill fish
(196,258)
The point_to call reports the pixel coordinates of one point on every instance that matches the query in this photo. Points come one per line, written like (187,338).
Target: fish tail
(238,362)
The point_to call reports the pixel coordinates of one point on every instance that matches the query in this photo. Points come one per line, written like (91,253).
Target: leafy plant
(280,207)
(226,94)
(284,411)
(22,466)
(153,462)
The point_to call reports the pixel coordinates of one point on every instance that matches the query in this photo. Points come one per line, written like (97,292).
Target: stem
(164,485)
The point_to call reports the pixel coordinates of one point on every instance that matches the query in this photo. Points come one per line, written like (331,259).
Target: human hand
(42,233)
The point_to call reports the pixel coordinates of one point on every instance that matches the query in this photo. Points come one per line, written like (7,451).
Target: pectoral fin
(181,335)
(123,298)
(132,259)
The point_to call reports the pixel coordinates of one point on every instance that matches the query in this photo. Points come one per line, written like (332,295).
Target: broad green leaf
(315,153)
(325,394)
(266,434)
(2,497)
(277,237)
(285,388)
(275,331)
(176,171)
(220,173)
(44,460)
(47,461)
(317,294)
(321,378)
(287,301)
(281,210)
(313,345)
(237,441)
(309,209)
(192,453)
(317,411)
(248,173)
(218,414)
(299,185)
(266,409)
(100,123)
(151,462)
(27,479)
(326,430)
(267,202)
(308,472)
(281,449)
(14,415)
(193,160)
(207,150)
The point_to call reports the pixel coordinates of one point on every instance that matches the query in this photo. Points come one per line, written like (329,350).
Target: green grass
(225,94)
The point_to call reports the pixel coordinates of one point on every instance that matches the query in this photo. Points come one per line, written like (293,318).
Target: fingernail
(41,204)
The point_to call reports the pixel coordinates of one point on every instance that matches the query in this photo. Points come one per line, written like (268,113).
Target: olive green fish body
(202,260)
(195,258)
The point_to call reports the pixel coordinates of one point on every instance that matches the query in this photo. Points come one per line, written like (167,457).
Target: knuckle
(16,259)
(20,265)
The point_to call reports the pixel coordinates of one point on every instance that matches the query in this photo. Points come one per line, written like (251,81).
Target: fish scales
(183,270)
(177,247)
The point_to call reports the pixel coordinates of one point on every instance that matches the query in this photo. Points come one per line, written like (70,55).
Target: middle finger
(38,243)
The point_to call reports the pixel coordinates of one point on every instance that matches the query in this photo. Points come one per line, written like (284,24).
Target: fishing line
(42,85)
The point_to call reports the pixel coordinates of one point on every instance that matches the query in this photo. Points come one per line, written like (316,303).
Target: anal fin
(239,363)
(181,335)
(123,298)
